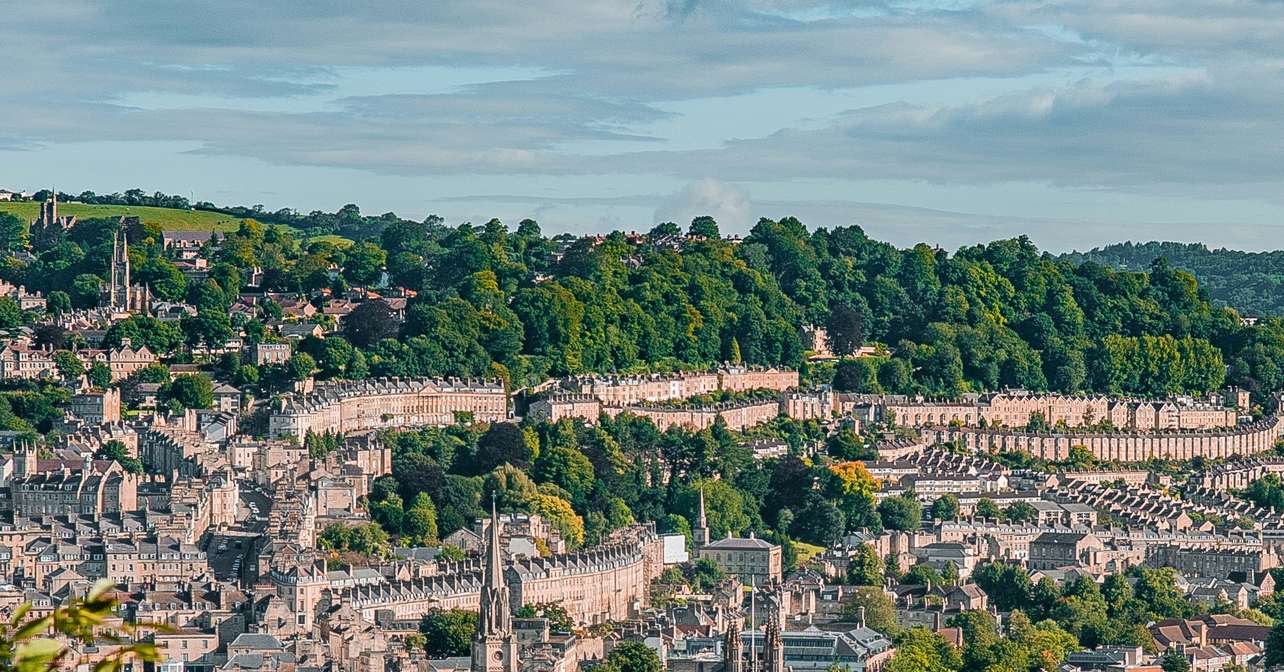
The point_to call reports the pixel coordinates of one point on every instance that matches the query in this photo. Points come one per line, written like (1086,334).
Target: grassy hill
(168,219)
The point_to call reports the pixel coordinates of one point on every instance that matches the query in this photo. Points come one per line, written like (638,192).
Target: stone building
(1018,409)
(751,560)
(744,378)
(19,360)
(606,582)
(1052,550)
(56,488)
(96,407)
(386,403)
(1246,439)
(119,293)
(122,361)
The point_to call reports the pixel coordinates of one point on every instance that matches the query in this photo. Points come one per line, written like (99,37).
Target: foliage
(631,657)
(26,647)
(879,610)
(366,538)
(901,513)
(448,632)
(190,391)
(115,450)
(558,619)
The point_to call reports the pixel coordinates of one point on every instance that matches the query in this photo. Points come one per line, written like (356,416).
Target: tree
(115,450)
(865,568)
(421,519)
(69,365)
(820,522)
(449,633)
(369,323)
(1175,661)
(946,507)
(503,443)
(58,302)
(921,650)
(567,467)
(300,366)
(631,657)
(1021,512)
(704,575)
(51,336)
(1008,586)
(100,375)
(211,327)
(13,233)
(878,610)
(364,262)
(986,508)
(703,226)
(1275,646)
(558,619)
(901,513)
(845,329)
(846,445)
(191,391)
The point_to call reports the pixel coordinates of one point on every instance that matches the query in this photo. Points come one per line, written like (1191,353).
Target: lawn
(807,551)
(168,219)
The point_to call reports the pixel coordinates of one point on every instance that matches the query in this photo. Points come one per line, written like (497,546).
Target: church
(119,294)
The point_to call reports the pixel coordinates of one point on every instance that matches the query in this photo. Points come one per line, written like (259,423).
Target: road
(227,546)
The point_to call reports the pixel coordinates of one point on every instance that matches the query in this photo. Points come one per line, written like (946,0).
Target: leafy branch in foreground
(26,645)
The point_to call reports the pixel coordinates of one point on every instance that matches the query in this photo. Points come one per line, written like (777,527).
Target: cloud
(1218,131)
(728,204)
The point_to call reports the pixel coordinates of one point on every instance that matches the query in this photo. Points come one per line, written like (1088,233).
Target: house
(1053,550)
(297,331)
(940,554)
(227,399)
(749,559)
(185,240)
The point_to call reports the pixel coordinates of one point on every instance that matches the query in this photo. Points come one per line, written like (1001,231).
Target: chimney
(860,616)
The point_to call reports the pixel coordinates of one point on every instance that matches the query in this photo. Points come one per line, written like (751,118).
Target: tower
(774,647)
(494,648)
(49,209)
(119,292)
(732,647)
(25,460)
(700,533)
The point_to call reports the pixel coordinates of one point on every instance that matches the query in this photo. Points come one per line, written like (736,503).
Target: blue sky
(1078,123)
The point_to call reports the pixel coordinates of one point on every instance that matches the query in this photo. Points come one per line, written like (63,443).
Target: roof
(741,544)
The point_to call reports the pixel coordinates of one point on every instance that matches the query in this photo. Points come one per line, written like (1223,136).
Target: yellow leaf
(32,628)
(20,612)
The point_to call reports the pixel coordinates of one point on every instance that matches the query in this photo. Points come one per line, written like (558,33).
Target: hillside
(169,218)
(1250,282)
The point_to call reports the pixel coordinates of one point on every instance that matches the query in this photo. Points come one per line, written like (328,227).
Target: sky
(1077,123)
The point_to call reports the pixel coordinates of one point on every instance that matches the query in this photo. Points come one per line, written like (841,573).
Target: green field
(336,240)
(168,219)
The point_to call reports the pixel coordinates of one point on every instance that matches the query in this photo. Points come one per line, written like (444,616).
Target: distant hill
(1250,282)
(168,218)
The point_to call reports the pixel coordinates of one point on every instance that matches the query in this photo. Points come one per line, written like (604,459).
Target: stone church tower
(700,533)
(494,647)
(120,294)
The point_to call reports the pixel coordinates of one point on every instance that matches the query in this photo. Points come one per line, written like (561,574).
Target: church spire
(700,533)
(494,648)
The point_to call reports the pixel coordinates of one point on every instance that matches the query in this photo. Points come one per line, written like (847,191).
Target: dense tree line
(1251,282)
(513,303)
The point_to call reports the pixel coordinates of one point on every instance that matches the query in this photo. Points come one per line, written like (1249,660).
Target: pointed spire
(702,519)
(494,564)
